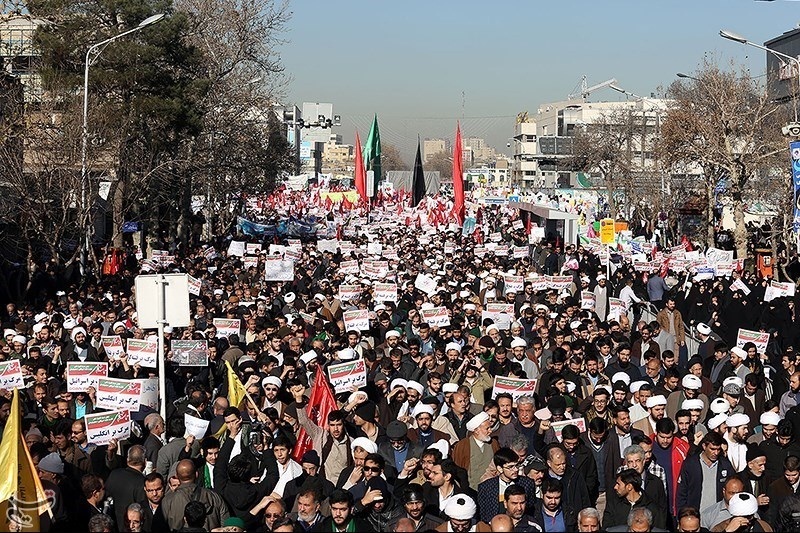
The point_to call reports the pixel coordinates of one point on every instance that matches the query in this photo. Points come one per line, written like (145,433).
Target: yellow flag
(236,392)
(21,493)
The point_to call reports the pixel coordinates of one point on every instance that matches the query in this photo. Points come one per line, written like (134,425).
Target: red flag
(360,173)
(458,180)
(319,405)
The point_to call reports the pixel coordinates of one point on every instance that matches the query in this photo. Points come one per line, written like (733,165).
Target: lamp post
(97,50)
(780,55)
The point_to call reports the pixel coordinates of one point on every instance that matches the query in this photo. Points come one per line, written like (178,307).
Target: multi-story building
(431,147)
(337,157)
(17,53)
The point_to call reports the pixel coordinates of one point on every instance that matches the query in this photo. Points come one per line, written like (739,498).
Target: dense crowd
(647,413)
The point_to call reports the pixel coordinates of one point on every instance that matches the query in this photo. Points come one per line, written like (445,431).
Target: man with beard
(623,363)
(516,504)
(670,453)
(475,454)
(790,397)
(525,424)
(394,404)
(79,349)
(332,445)
(629,496)
(308,515)
(684,427)
(491,492)
(769,426)
(398,449)
(550,513)
(656,406)
(413,501)
(700,485)
(780,446)
(736,437)
(271,386)
(392,341)
(753,477)
(359,447)
(424,435)
(691,386)
(341,519)
(377,508)
(591,378)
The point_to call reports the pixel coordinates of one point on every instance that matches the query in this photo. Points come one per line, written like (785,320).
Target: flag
(372,153)
(418,181)
(319,405)
(21,492)
(236,392)
(458,179)
(360,173)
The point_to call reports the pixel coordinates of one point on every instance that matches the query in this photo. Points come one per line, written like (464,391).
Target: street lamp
(97,50)
(725,34)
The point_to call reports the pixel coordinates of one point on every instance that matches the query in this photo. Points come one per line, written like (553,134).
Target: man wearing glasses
(491,492)
(153,517)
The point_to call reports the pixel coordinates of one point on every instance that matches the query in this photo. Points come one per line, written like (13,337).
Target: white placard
(435,316)
(761,340)
(194,286)
(356,320)
(81,376)
(11,375)
(149,394)
(143,352)
(195,426)
(227,327)
(425,283)
(277,269)
(345,376)
(384,292)
(514,386)
(121,394)
(236,248)
(514,284)
(102,428)
(112,346)
(588,300)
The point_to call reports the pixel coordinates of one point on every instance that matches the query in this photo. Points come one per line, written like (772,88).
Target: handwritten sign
(149,394)
(112,346)
(356,320)
(345,376)
(11,375)
(118,394)
(194,286)
(195,426)
(81,376)
(514,386)
(761,340)
(277,269)
(435,316)
(189,352)
(384,292)
(558,427)
(102,428)
(143,352)
(227,327)
(425,283)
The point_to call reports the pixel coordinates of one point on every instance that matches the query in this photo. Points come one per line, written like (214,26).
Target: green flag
(372,153)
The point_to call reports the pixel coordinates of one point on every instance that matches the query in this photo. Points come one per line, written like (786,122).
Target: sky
(421,65)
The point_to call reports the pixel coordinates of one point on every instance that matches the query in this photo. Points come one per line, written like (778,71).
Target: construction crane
(585,90)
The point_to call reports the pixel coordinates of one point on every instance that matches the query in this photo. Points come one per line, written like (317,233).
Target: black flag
(418,183)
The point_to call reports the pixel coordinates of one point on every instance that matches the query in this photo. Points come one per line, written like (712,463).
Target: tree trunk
(612,202)
(709,213)
(118,213)
(739,230)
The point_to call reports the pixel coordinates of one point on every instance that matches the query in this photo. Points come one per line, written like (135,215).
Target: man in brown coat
(475,453)
(671,323)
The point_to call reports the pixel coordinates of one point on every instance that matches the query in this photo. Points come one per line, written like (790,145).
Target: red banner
(319,405)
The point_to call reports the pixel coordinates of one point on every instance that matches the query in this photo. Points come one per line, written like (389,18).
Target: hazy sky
(410,61)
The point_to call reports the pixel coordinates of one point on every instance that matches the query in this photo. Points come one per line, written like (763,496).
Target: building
(488,177)
(543,143)
(431,147)
(18,56)
(782,76)
(337,157)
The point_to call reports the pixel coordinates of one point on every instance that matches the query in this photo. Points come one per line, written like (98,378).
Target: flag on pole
(21,493)
(372,153)
(418,181)
(319,405)
(361,172)
(458,179)
(236,392)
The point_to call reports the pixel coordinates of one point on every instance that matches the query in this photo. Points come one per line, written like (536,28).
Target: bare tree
(391,159)
(725,122)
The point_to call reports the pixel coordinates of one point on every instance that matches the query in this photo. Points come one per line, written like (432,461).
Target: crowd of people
(643,417)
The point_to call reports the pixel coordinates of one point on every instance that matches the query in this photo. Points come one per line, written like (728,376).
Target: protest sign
(11,375)
(514,386)
(143,352)
(189,352)
(194,286)
(112,346)
(425,283)
(81,376)
(558,427)
(195,426)
(588,300)
(349,267)
(560,282)
(739,285)
(293,254)
(517,224)
(349,292)
(356,320)
(253,248)
(102,428)
(236,248)
(777,289)
(327,245)
(248,262)
(496,236)
(277,269)
(479,251)
(345,376)
(149,394)
(514,284)
(616,307)
(435,316)
(227,327)
(115,393)
(519,252)
(761,340)
(374,248)
(384,292)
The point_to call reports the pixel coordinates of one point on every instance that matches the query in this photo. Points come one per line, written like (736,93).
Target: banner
(349,292)
(102,428)
(384,292)
(81,376)
(227,327)
(345,376)
(195,426)
(122,394)
(189,352)
(350,267)
(11,375)
(514,284)
(112,346)
(514,386)
(761,340)
(435,316)
(558,427)
(143,352)
(356,320)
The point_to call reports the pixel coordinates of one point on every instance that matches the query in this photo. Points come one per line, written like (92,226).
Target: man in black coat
(126,485)
(551,504)
(581,459)
(628,495)
(778,448)
(575,495)
(341,519)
